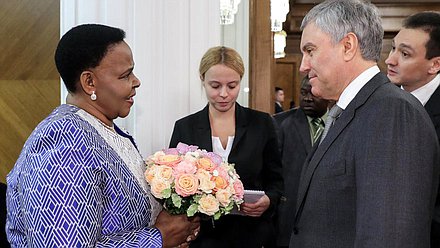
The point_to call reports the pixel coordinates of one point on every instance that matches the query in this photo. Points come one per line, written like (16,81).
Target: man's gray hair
(337,18)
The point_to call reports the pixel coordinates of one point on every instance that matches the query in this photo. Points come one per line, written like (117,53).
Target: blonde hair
(221,55)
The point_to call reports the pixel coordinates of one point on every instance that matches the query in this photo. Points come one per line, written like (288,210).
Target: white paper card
(250,196)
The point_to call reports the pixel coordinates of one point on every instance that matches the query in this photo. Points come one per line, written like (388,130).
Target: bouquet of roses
(190,180)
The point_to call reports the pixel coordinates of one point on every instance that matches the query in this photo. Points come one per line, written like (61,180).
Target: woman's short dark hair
(83,47)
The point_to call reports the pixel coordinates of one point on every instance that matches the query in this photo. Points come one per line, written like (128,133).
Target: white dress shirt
(355,86)
(425,92)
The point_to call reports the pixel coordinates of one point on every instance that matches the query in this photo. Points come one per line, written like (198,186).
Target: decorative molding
(29,86)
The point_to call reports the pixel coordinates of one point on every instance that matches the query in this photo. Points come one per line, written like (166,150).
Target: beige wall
(29,83)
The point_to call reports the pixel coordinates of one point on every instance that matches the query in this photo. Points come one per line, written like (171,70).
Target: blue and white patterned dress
(79,183)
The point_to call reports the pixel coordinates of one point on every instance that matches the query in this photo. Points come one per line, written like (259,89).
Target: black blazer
(433,109)
(254,150)
(278,108)
(295,143)
(256,157)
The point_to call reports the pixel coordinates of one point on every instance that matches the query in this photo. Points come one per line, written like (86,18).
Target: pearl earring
(93,96)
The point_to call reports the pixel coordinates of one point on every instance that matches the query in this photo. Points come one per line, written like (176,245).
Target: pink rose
(224,197)
(222,172)
(186,184)
(239,189)
(184,167)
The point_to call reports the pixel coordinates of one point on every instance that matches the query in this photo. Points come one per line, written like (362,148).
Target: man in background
(414,64)
(372,180)
(299,129)
(279,99)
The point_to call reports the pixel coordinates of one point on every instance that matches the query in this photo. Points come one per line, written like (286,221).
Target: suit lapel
(203,130)
(433,104)
(302,124)
(241,122)
(341,123)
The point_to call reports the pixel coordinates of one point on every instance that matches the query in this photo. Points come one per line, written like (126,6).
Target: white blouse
(217,147)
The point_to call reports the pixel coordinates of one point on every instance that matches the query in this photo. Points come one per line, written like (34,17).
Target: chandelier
(279,44)
(278,12)
(228,9)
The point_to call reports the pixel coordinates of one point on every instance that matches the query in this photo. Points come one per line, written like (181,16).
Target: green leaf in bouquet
(166,193)
(169,206)
(196,198)
(177,200)
(192,210)
(217,215)
(229,208)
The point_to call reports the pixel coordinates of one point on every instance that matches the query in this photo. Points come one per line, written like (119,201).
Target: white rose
(206,185)
(208,205)
(158,185)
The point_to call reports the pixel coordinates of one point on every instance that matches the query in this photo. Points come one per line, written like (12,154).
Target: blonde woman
(241,136)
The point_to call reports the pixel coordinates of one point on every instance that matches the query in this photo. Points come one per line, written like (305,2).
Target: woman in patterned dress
(79,179)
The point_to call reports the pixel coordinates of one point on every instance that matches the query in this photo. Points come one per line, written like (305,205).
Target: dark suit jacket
(372,182)
(433,109)
(295,144)
(254,152)
(278,108)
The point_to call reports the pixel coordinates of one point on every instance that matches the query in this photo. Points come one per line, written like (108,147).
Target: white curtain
(168,38)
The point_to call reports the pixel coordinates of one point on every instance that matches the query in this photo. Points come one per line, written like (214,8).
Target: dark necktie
(318,127)
(333,114)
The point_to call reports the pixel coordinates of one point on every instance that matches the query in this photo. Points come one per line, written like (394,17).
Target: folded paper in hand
(250,196)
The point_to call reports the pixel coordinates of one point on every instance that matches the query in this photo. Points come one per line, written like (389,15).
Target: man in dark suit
(414,64)
(279,99)
(372,180)
(298,130)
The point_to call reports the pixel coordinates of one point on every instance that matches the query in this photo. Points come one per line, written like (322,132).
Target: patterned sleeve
(55,196)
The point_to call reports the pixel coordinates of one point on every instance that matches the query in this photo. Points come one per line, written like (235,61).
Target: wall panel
(29,84)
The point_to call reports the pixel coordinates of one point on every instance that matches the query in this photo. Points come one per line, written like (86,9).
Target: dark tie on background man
(333,114)
(318,127)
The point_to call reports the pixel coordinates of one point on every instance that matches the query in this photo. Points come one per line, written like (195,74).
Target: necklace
(111,128)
